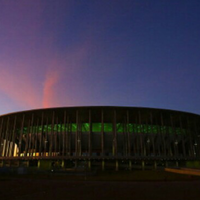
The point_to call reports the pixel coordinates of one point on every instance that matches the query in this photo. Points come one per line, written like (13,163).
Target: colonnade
(104,133)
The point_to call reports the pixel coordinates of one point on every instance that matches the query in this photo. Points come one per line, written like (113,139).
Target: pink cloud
(28,59)
(19,88)
(37,83)
(49,95)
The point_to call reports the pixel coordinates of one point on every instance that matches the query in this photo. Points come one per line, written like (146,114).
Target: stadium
(99,137)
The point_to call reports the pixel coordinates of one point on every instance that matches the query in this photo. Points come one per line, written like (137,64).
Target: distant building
(99,137)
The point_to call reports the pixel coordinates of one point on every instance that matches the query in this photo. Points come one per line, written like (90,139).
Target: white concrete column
(63,164)
(117,165)
(155,165)
(143,165)
(130,165)
(89,165)
(166,164)
(38,164)
(103,165)
(177,165)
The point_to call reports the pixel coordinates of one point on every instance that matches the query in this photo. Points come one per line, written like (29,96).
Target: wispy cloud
(19,88)
(63,82)
(49,94)
(34,70)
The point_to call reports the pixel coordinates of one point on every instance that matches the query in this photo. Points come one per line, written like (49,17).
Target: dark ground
(109,185)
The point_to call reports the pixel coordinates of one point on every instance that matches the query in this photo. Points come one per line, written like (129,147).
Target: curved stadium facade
(99,137)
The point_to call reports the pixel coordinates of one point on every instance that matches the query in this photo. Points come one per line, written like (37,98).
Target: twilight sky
(99,52)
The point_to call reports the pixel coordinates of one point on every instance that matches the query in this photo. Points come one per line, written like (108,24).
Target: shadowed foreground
(101,187)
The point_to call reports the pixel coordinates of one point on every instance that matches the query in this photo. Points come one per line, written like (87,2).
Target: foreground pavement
(187,171)
(41,189)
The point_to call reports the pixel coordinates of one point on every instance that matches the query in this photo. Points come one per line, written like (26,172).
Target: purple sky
(99,52)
